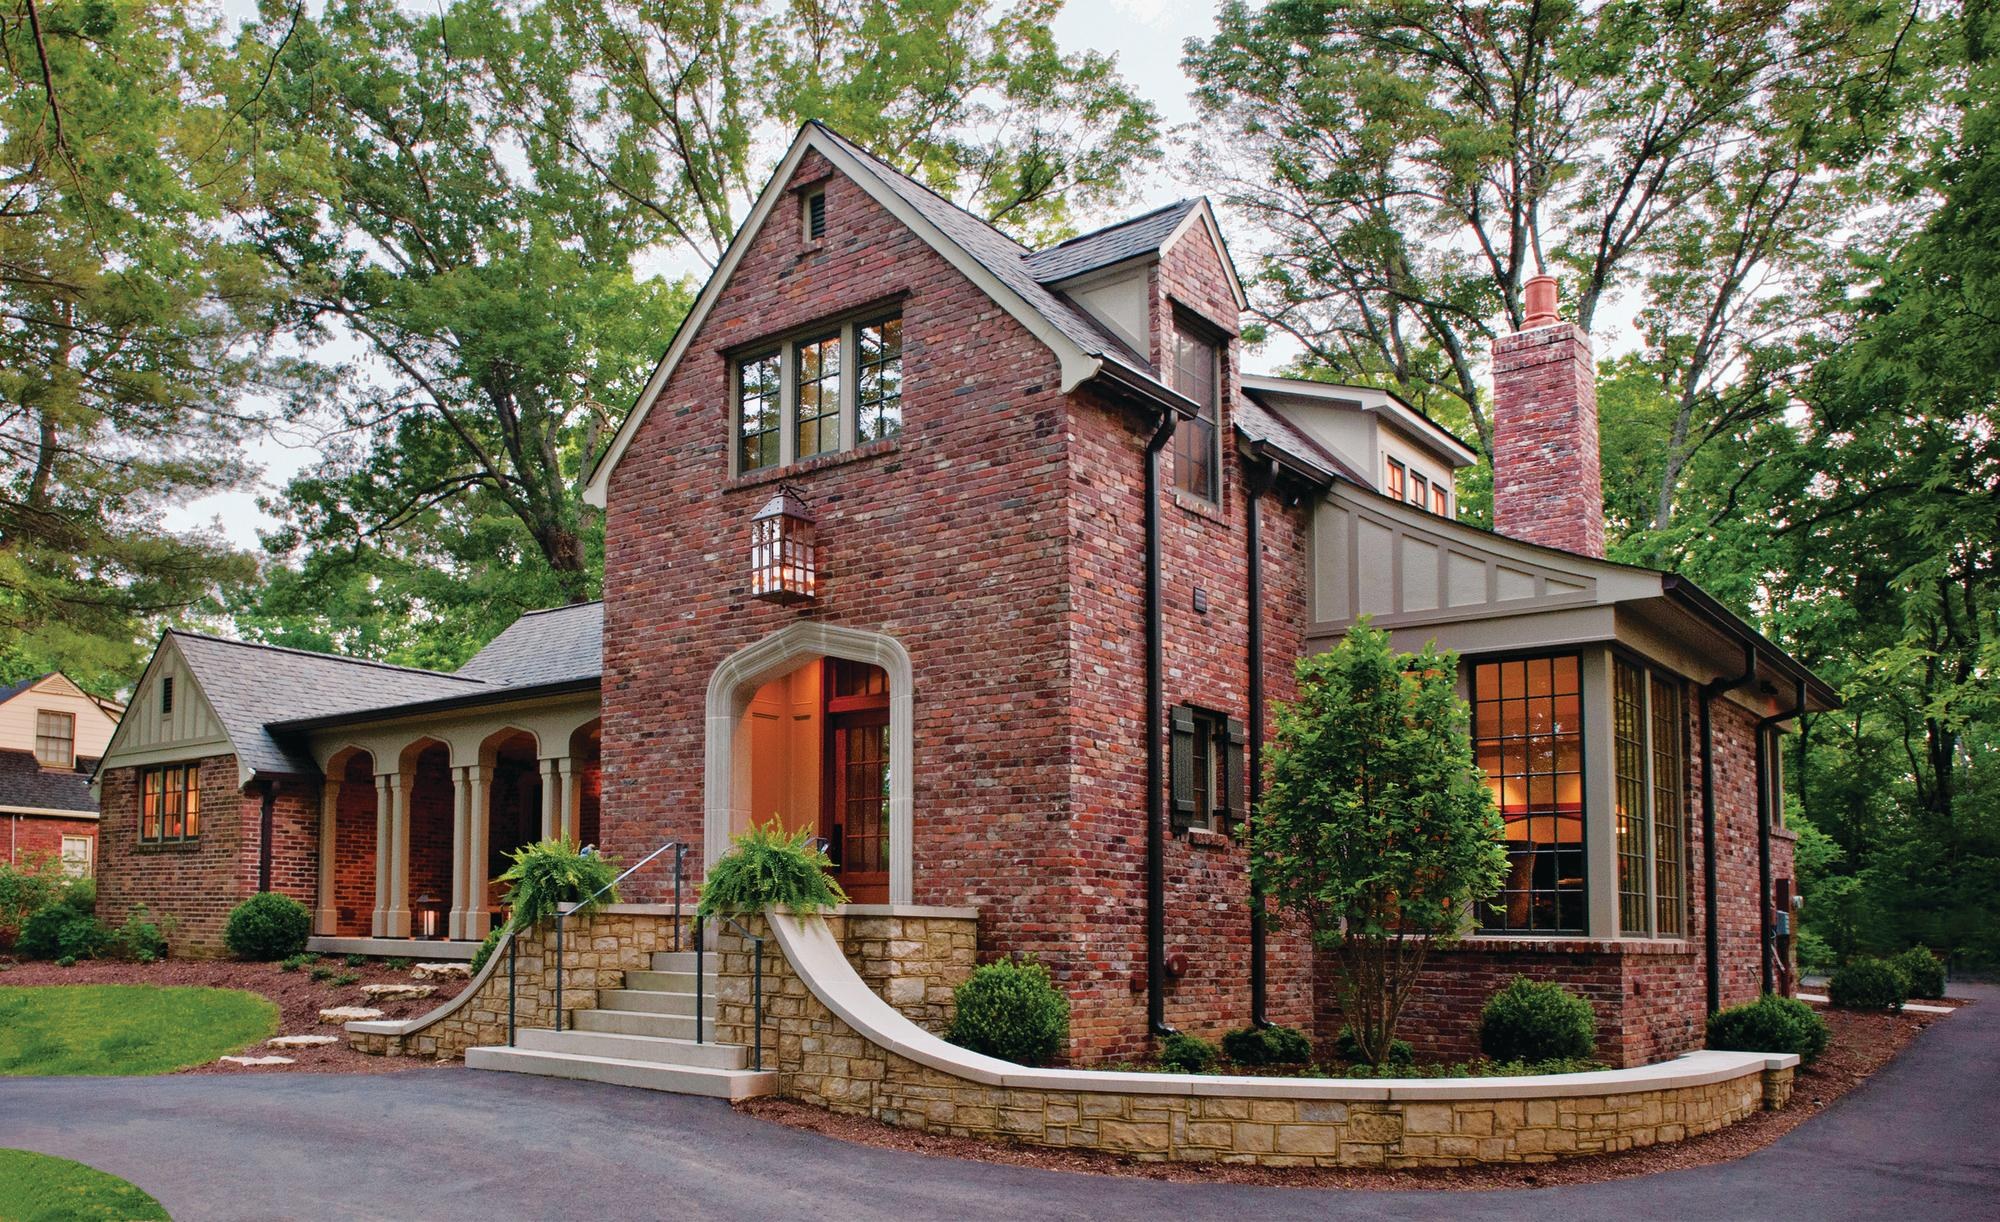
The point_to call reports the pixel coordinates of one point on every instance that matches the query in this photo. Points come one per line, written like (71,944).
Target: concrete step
(657,981)
(638,1022)
(634,1048)
(647,1075)
(677,961)
(653,1002)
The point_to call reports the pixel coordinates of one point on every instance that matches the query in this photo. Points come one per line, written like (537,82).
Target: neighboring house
(985,565)
(51,735)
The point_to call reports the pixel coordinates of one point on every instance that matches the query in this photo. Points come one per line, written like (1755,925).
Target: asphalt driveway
(1920,1140)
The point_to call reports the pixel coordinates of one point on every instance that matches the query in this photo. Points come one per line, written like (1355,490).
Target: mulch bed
(298,997)
(1861,1044)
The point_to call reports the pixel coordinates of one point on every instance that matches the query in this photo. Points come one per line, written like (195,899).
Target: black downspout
(264,835)
(1261,480)
(1764,813)
(1156,810)
(1711,936)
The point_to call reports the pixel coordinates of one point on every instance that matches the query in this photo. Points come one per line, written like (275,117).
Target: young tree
(1376,828)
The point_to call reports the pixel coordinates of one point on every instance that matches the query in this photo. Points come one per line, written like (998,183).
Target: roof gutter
(1693,598)
(1267,454)
(499,695)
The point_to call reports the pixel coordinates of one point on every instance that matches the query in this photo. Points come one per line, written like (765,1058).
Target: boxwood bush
(1274,1045)
(1183,1053)
(1769,1024)
(267,926)
(1923,971)
(1012,1010)
(59,931)
(1533,1020)
(1868,984)
(1348,1049)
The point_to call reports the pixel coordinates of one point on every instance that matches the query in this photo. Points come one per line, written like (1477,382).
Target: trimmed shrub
(1535,1020)
(769,866)
(267,926)
(26,889)
(1267,1046)
(1011,1010)
(1348,1049)
(61,932)
(1868,984)
(486,948)
(1923,971)
(1769,1024)
(550,873)
(1182,1053)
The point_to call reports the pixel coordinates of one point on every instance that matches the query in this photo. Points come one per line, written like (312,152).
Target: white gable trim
(1204,216)
(1078,366)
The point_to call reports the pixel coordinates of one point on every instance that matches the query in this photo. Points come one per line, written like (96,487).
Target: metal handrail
(756,986)
(680,857)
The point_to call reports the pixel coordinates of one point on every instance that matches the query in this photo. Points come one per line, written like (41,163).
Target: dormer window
(812,215)
(1197,373)
(1420,490)
(55,739)
(1440,501)
(1397,478)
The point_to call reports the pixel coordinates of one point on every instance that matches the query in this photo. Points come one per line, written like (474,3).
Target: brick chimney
(1546,484)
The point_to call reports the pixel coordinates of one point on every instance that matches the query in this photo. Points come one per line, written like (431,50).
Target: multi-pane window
(76,855)
(757,402)
(793,403)
(1528,734)
(1197,374)
(1397,478)
(1420,490)
(879,392)
(1207,766)
(1440,501)
(170,803)
(817,375)
(1652,820)
(55,739)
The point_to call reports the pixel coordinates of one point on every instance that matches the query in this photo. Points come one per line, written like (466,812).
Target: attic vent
(815,209)
(166,694)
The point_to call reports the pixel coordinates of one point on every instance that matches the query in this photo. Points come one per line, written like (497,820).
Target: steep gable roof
(994,262)
(1132,238)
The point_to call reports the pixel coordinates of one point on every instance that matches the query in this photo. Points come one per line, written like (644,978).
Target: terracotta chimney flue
(1541,303)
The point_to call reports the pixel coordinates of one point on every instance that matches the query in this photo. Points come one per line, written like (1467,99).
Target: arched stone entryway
(737,718)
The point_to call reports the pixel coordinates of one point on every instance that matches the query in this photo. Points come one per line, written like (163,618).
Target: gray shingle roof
(1260,423)
(251,686)
(1001,255)
(25,783)
(559,645)
(1128,239)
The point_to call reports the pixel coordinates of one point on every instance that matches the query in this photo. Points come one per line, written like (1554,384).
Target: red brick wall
(196,884)
(1547,487)
(31,836)
(430,833)
(354,849)
(294,842)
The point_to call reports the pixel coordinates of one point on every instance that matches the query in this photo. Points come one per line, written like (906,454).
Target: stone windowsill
(1199,507)
(1209,838)
(1572,945)
(171,846)
(810,466)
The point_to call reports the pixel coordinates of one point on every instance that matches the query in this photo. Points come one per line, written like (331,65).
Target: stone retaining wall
(821,1058)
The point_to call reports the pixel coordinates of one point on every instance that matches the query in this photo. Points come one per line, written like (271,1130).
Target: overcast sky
(1145,35)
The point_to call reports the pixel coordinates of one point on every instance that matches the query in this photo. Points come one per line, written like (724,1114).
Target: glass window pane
(880,390)
(757,411)
(1530,752)
(818,377)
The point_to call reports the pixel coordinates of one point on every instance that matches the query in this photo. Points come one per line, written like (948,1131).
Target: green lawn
(40,1188)
(125,1028)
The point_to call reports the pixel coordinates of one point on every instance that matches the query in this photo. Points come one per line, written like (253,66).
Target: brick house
(51,735)
(985,564)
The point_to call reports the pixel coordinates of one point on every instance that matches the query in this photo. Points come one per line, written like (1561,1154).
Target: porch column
(551,802)
(398,922)
(326,918)
(571,819)
(478,834)
(461,859)
(378,922)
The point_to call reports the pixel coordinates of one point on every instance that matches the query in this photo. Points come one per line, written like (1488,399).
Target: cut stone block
(349,1014)
(397,992)
(258,1060)
(441,971)
(302,1041)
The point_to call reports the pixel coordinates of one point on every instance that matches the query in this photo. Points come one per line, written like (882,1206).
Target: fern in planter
(770,867)
(551,873)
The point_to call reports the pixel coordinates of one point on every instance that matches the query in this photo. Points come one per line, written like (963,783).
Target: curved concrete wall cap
(815,954)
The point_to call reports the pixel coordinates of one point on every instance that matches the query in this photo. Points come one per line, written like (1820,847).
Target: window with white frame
(55,739)
(823,392)
(76,855)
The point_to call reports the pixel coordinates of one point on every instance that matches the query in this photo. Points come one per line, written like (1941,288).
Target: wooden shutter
(1181,758)
(1236,766)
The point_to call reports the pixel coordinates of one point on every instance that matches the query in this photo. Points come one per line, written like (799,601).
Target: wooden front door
(854,801)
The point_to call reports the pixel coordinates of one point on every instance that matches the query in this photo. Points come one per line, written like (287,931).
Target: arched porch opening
(586,779)
(426,780)
(348,833)
(813,725)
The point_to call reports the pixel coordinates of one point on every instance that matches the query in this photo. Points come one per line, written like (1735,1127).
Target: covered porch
(417,819)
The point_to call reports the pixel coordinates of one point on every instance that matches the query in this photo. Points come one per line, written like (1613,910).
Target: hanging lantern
(782,550)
